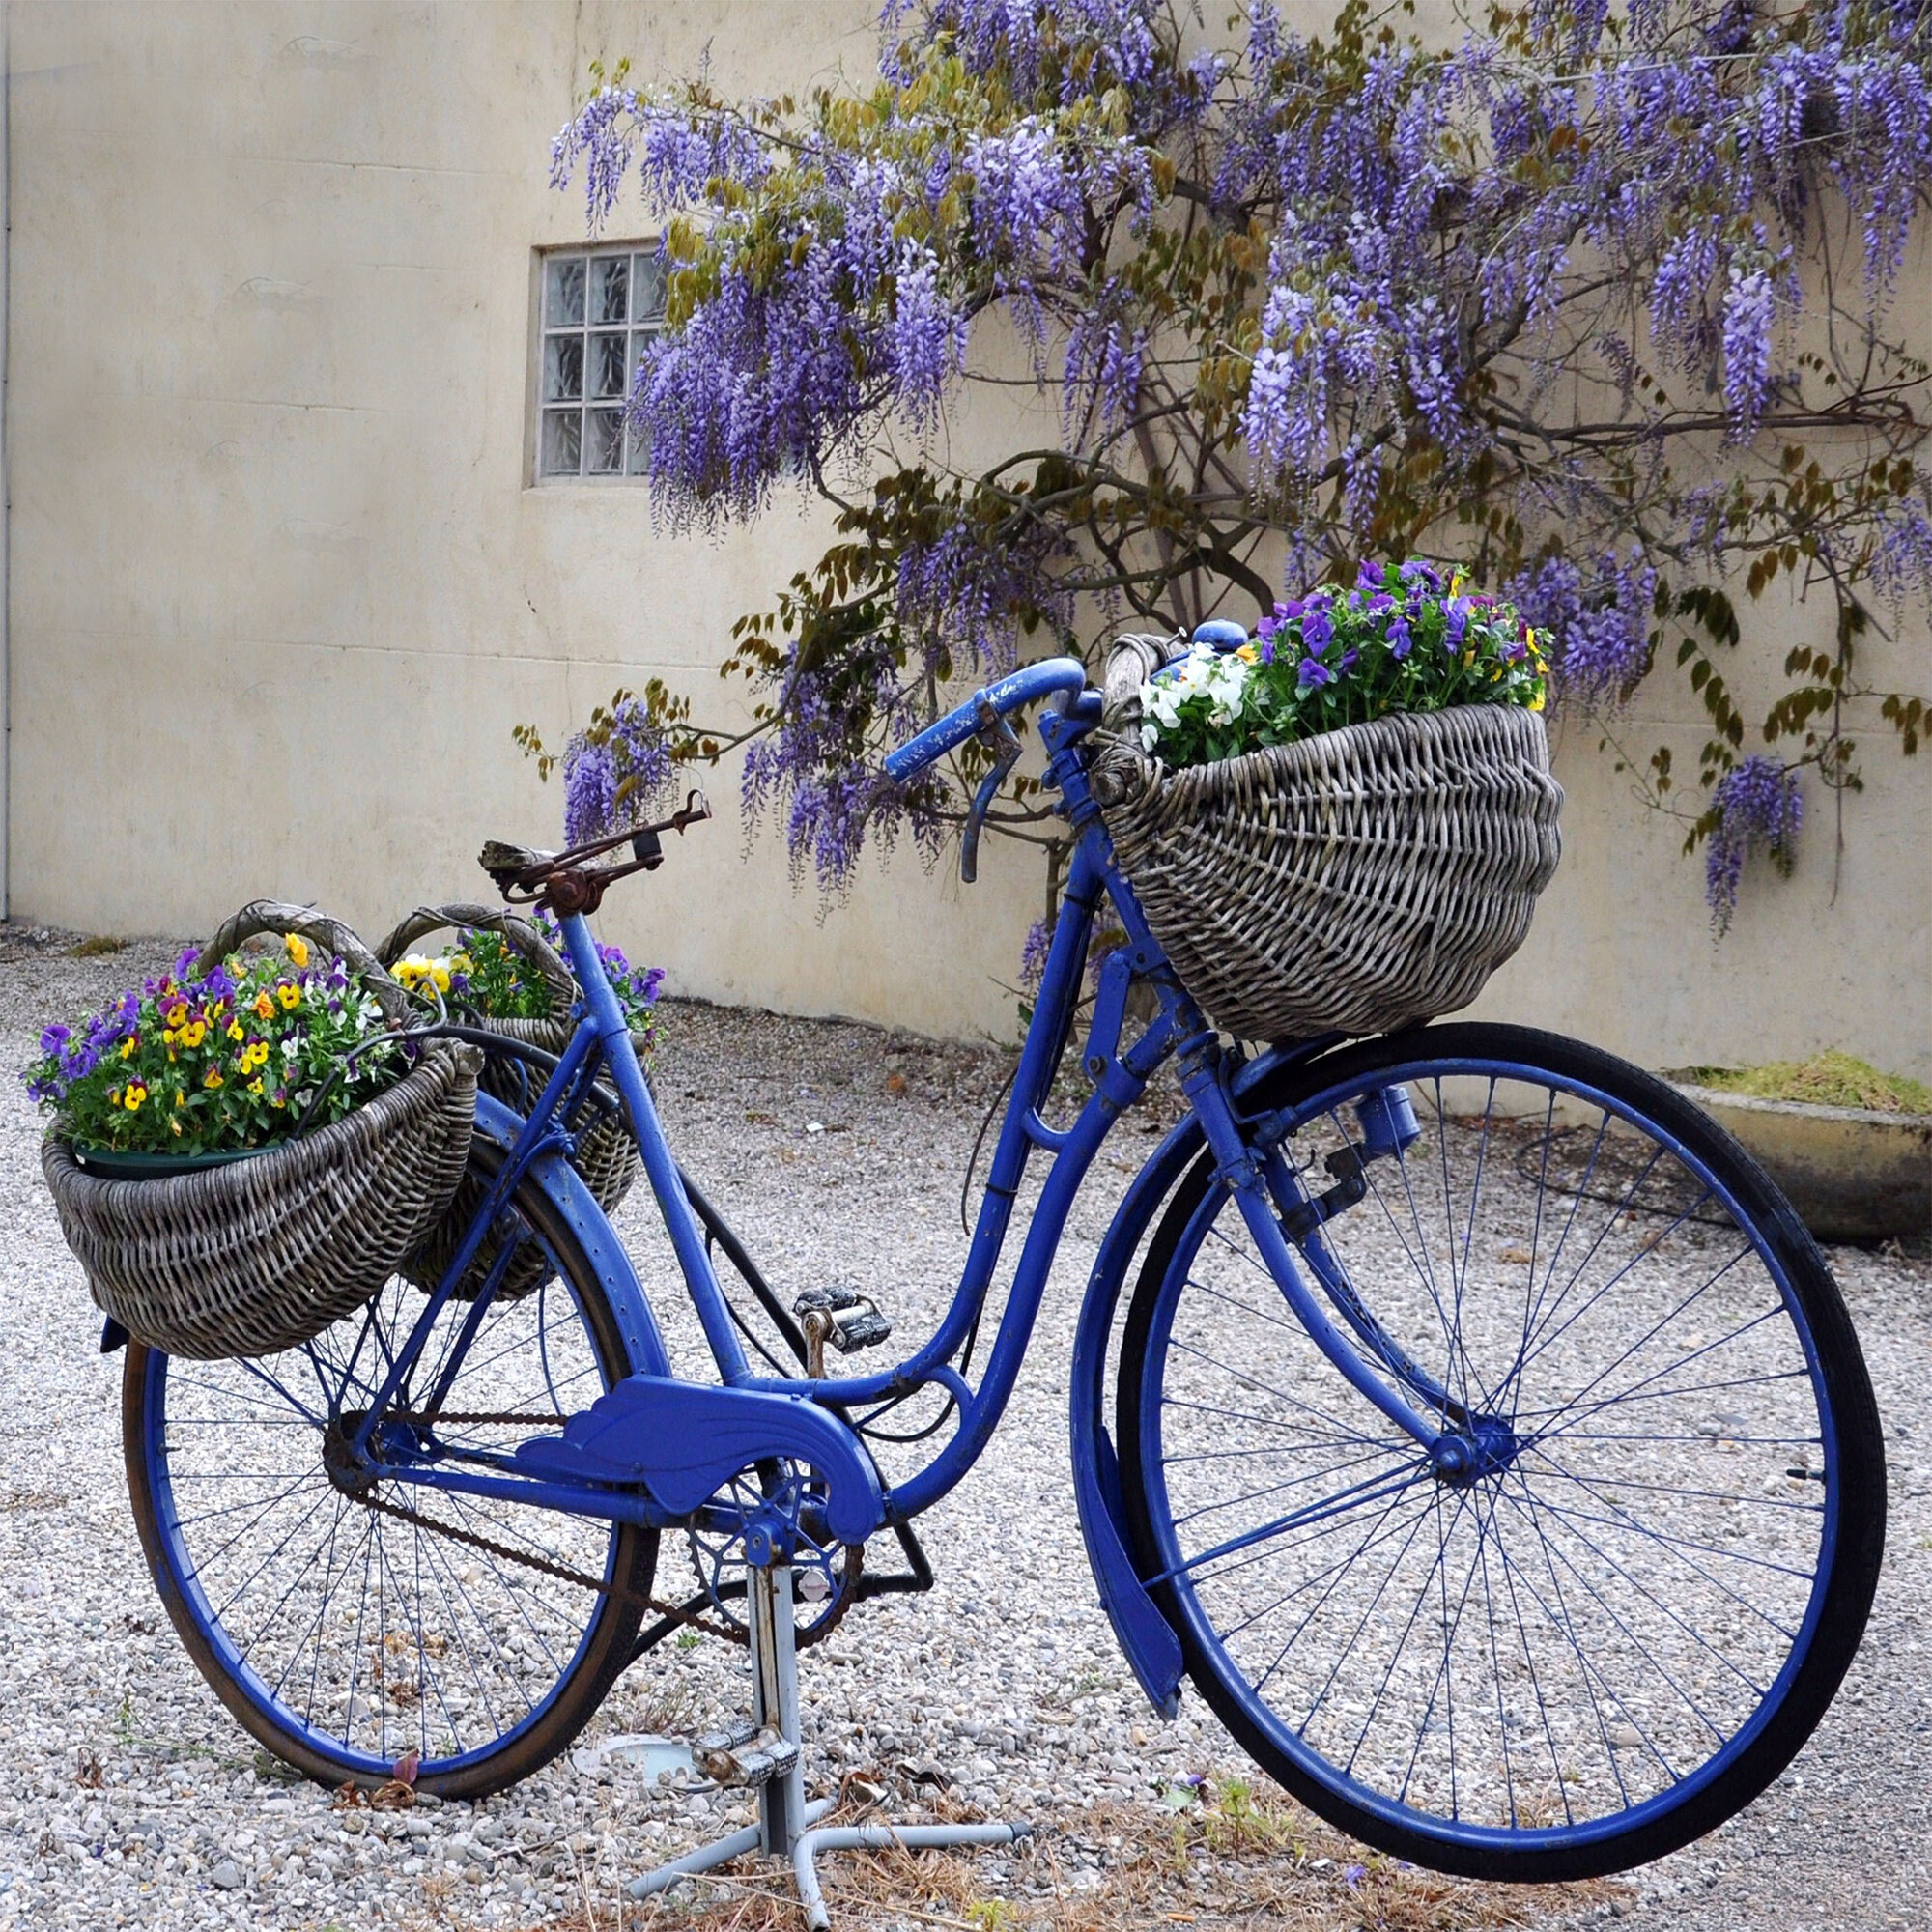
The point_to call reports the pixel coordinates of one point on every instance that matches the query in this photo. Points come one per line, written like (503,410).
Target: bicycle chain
(675,1613)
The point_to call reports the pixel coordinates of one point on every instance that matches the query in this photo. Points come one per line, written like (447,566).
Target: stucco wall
(280,586)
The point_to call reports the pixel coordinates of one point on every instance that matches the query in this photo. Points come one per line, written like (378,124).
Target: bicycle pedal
(864,1328)
(842,1317)
(744,1755)
(829,1299)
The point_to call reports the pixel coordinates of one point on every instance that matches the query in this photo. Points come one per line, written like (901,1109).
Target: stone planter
(1853,1174)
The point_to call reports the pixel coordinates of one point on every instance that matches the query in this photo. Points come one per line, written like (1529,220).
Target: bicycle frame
(1214,1079)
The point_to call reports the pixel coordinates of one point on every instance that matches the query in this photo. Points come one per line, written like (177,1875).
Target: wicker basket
(254,1256)
(605,1156)
(1355,882)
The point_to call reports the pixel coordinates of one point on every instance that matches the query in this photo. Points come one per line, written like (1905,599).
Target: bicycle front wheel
(1620,1618)
(347,1626)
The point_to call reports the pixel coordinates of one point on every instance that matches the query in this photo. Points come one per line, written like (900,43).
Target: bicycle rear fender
(578,1206)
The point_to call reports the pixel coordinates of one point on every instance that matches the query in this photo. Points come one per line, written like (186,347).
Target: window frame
(642,321)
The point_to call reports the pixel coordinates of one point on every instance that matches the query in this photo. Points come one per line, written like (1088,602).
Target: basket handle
(1134,658)
(522,937)
(260,916)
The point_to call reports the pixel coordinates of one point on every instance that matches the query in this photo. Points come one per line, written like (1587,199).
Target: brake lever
(995,726)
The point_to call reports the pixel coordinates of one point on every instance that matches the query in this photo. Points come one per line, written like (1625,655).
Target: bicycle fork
(1282,1216)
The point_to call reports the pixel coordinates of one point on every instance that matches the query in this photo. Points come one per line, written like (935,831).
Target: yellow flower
(174,1125)
(179,1097)
(194,1033)
(129,1045)
(1249,654)
(289,997)
(264,1007)
(176,1013)
(213,1077)
(237,1031)
(254,1054)
(439,972)
(461,962)
(134,1096)
(297,948)
(1536,703)
(255,1086)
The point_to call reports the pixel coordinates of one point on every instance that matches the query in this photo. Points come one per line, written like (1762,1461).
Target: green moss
(1829,1079)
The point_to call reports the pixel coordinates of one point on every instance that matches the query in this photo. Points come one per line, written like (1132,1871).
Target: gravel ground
(126,1795)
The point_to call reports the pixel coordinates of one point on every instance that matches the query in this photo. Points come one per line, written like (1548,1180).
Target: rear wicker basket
(264,1254)
(1355,882)
(605,1156)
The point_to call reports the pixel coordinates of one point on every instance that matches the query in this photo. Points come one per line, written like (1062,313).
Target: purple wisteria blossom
(613,771)
(1549,295)
(1757,806)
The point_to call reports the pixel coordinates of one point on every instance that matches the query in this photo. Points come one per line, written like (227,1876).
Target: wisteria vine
(1597,306)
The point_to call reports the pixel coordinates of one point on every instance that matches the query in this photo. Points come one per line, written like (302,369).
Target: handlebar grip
(1008,694)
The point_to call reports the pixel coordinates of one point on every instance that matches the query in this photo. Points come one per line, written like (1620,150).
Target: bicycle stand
(768,1754)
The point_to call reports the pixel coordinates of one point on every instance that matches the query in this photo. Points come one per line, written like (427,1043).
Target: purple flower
(1311,675)
(1369,577)
(1759,806)
(55,1039)
(1347,664)
(1381,601)
(1399,642)
(1318,628)
(1418,568)
(1354,1875)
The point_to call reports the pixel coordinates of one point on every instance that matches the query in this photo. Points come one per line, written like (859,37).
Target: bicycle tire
(1631,1772)
(454,1629)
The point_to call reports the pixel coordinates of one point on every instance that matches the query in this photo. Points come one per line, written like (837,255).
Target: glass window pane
(563,368)
(639,463)
(606,364)
(609,288)
(562,441)
(647,287)
(563,297)
(604,454)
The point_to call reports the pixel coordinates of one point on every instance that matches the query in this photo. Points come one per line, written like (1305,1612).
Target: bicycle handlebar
(1008,694)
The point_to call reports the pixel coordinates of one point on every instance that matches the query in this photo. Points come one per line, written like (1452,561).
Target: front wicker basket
(1355,882)
(261,1255)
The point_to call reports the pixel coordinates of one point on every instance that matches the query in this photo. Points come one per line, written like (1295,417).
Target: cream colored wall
(280,587)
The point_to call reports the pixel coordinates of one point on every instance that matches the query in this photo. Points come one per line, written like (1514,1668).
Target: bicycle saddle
(562,881)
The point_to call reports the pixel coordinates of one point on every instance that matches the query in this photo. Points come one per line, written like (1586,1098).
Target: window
(600,307)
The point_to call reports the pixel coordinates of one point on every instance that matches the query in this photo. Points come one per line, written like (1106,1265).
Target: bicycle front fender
(578,1206)
(1147,1638)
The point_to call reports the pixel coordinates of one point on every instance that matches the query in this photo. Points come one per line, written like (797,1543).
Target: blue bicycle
(1461,1411)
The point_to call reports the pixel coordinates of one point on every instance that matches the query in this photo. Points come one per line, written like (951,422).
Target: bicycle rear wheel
(1615,1626)
(343,1637)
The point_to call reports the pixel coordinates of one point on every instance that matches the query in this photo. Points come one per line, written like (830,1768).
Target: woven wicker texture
(1356,882)
(606,1154)
(264,1254)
